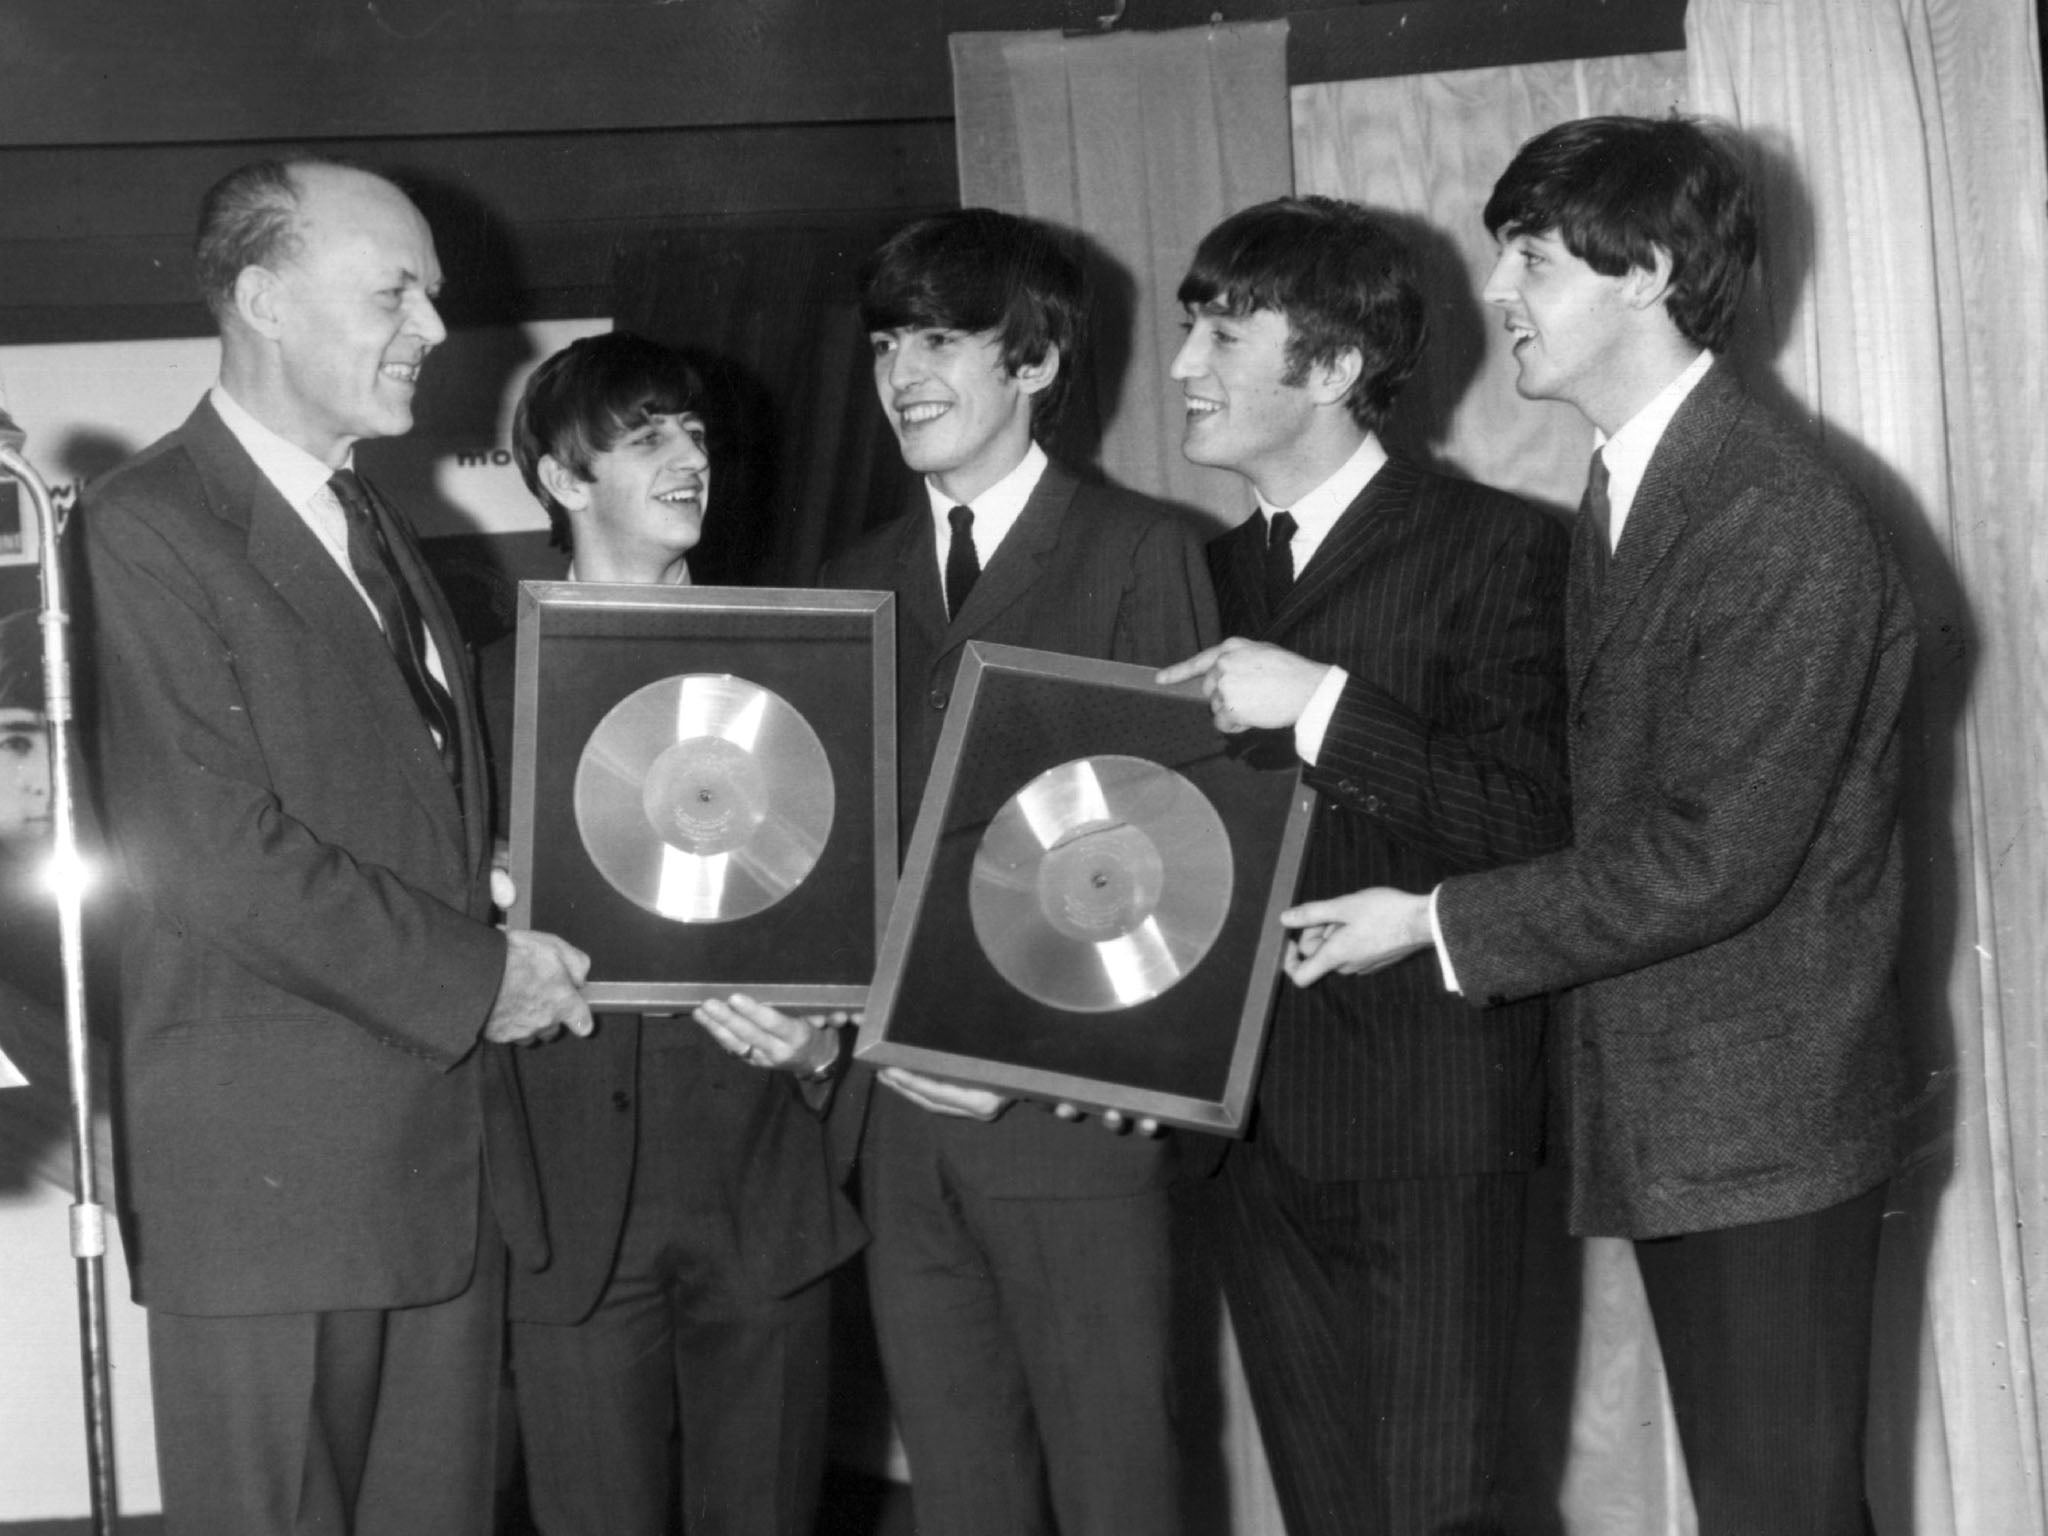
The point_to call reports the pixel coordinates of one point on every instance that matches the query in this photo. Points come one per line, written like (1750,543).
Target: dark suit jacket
(1443,601)
(1727,915)
(787,1220)
(308,957)
(1089,571)
(786,1217)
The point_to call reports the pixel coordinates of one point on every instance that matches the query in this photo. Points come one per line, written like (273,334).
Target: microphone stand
(88,1216)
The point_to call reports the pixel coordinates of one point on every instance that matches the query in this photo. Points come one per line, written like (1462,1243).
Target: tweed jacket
(1725,922)
(1087,570)
(308,958)
(1443,600)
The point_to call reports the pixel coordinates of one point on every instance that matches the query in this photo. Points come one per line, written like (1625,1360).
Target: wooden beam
(513,213)
(1362,42)
(190,71)
(115,70)
(163,71)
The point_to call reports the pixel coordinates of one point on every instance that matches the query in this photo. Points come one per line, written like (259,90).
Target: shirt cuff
(1443,953)
(1315,715)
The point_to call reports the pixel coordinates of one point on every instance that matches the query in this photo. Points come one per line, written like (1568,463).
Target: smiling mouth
(918,415)
(1197,409)
(403,373)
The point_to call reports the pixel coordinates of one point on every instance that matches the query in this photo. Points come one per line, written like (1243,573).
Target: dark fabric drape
(802,459)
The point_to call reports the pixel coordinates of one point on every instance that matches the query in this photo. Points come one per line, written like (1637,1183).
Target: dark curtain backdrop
(802,460)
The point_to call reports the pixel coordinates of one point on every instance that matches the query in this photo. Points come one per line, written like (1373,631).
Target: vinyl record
(704,798)
(1100,884)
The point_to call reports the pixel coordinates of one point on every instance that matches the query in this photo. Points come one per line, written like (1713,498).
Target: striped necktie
(369,554)
(963,565)
(1279,560)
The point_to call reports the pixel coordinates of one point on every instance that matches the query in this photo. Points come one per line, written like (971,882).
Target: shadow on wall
(1934,904)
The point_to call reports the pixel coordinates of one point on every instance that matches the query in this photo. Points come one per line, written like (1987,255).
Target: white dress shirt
(302,480)
(1314,516)
(996,509)
(1627,453)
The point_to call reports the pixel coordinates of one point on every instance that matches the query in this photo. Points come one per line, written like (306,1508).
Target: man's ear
(562,483)
(1330,381)
(1648,287)
(1034,377)
(258,299)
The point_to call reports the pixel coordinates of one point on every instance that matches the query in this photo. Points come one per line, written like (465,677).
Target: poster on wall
(88,406)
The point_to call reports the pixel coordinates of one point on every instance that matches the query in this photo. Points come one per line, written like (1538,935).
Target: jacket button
(939,698)
(621,1100)
(1372,803)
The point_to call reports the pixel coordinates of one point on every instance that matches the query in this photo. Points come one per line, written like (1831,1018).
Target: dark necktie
(963,566)
(1596,513)
(369,554)
(1279,560)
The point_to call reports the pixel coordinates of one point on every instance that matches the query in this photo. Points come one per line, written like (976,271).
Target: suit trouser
(1765,1332)
(687,1387)
(1376,1321)
(355,1423)
(1025,1345)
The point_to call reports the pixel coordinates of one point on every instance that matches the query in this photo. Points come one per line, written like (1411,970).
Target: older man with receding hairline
(311,980)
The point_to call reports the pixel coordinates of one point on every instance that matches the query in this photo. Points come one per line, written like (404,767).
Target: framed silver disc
(704,797)
(1101,883)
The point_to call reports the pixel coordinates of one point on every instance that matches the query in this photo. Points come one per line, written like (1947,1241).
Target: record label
(1101,883)
(704,798)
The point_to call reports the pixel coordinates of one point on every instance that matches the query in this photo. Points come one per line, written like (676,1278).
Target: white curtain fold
(1907,315)
(1143,140)
(1428,148)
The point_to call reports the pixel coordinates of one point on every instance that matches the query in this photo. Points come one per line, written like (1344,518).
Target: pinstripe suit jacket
(1088,570)
(1443,601)
(1727,917)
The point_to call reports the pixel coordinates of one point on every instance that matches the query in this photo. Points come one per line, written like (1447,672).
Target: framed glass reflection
(704,788)
(1090,905)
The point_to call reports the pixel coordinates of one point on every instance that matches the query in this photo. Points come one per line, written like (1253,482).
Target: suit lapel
(1379,510)
(1658,518)
(1019,559)
(1238,564)
(285,552)
(440,622)
(921,601)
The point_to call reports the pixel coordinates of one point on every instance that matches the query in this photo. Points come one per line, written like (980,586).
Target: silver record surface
(704,797)
(1101,883)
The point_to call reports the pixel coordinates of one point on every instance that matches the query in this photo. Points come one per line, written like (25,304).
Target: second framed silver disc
(1101,883)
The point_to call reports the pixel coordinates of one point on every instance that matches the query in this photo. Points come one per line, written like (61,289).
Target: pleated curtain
(1142,141)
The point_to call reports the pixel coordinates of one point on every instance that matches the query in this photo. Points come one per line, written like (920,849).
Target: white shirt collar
(681,579)
(298,476)
(302,481)
(1627,453)
(1316,513)
(996,509)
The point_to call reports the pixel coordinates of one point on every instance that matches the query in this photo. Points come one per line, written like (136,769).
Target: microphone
(88,1216)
